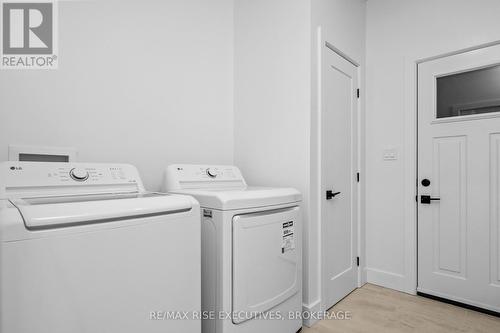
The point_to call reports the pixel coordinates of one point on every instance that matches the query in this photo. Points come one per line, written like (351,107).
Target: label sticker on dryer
(288,242)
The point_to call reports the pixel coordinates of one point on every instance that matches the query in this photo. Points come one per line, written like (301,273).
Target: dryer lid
(250,197)
(62,211)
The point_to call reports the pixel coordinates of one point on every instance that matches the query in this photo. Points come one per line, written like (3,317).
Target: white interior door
(459,178)
(339,105)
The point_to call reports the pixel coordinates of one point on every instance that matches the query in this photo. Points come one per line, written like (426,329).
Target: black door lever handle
(427,199)
(330,194)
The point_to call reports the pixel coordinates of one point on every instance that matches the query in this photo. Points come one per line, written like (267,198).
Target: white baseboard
(388,280)
(314,307)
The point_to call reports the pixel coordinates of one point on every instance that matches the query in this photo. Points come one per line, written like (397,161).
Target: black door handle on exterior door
(330,194)
(427,199)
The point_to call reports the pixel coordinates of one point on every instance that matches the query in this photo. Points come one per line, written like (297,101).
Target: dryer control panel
(196,176)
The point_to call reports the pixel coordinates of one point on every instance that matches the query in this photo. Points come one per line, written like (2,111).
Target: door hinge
(357,92)
(357,177)
(357,261)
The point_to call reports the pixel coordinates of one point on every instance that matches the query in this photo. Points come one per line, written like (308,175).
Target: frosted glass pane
(469,93)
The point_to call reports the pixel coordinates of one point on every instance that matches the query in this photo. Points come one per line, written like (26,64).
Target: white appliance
(85,249)
(251,250)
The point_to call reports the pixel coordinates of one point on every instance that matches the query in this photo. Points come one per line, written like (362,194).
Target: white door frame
(411,152)
(322,42)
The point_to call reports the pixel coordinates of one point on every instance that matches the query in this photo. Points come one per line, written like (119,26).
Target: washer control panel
(90,174)
(40,174)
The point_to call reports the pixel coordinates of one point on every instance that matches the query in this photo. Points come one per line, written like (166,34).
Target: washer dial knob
(212,173)
(79,174)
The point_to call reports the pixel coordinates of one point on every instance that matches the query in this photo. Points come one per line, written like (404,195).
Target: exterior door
(339,185)
(459,178)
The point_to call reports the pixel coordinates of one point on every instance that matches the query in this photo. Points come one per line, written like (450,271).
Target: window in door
(469,93)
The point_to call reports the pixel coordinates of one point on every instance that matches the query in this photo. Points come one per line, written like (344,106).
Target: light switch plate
(390,154)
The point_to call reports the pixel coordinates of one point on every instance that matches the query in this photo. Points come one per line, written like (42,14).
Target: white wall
(272,94)
(272,91)
(147,83)
(342,24)
(399,32)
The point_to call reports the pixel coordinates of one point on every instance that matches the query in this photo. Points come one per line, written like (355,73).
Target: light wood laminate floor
(375,309)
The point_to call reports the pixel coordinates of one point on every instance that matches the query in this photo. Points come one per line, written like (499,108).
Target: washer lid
(62,211)
(250,197)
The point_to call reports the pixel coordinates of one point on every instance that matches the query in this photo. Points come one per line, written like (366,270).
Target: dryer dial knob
(79,174)
(212,173)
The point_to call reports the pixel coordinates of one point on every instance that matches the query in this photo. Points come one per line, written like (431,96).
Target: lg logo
(27,28)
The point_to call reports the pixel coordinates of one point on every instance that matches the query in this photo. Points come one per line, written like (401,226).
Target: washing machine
(251,250)
(85,249)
